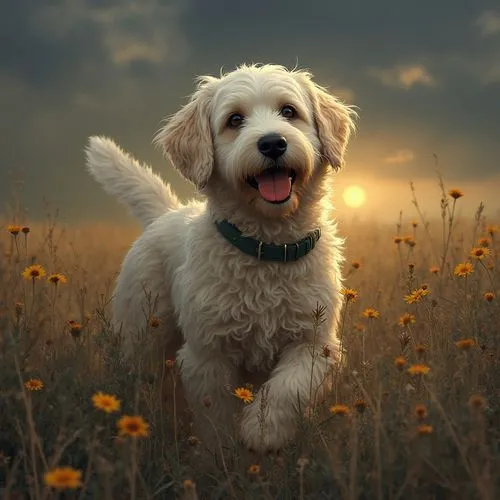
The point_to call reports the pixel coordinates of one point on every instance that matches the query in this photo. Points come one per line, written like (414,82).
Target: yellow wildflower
(424,430)
(407,319)
(464,269)
(34,384)
(63,478)
(416,295)
(33,272)
(105,402)
(254,470)
(479,253)
(400,362)
(14,229)
(410,241)
(371,313)
(455,193)
(465,344)
(419,369)
(133,426)
(243,393)
(341,410)
(57,278)
(421,412)
(350,294)
(190,488)
(75,328)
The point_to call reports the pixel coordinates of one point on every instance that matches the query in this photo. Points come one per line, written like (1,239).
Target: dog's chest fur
(251,310)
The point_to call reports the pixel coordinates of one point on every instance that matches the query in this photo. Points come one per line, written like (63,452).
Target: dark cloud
(72,69)
(353,32)
(39,54)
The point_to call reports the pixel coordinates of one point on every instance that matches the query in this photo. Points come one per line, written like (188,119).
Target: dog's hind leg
(142,306)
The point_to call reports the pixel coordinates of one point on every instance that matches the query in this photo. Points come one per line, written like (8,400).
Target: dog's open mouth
(274,184)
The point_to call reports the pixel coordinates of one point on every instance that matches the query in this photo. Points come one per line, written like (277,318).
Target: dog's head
(262,131)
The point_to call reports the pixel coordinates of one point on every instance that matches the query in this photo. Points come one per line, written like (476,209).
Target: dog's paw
(270,434)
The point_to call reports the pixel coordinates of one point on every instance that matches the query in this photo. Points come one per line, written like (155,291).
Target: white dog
(238,276)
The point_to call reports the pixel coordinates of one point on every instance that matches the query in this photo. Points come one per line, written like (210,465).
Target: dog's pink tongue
(275,185)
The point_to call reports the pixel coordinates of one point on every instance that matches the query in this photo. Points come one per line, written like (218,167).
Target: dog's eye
(235,120)
(288,112)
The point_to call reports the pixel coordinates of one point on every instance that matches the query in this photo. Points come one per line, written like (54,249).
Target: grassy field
(414,414)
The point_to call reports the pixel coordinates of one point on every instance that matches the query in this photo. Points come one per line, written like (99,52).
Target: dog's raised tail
(134,184)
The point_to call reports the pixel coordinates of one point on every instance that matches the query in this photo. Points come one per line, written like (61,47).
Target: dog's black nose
(272,145)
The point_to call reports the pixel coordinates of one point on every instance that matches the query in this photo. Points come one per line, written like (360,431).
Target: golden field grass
(413,414)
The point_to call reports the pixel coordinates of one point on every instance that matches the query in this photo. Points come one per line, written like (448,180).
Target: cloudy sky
(425,75)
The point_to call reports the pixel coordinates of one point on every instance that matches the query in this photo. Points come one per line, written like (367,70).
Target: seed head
(424,430)
(455,193)
(419,369)
(400,362)
(14,229)
(421,412)
(465,344)
(477,402)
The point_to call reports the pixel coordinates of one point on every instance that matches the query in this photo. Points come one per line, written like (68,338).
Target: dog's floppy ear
(186,138)
(334,122)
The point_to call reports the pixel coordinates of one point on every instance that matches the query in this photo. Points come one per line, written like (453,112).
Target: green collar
(287,252)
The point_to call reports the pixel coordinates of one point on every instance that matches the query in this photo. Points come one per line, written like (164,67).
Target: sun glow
(354,196)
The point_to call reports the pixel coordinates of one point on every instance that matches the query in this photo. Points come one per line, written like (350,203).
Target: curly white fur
(236,316)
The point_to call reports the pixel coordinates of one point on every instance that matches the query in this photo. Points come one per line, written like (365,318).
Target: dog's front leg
(207,376)
(299,378)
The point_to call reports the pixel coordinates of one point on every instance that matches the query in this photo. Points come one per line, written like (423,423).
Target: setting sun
(354,196)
